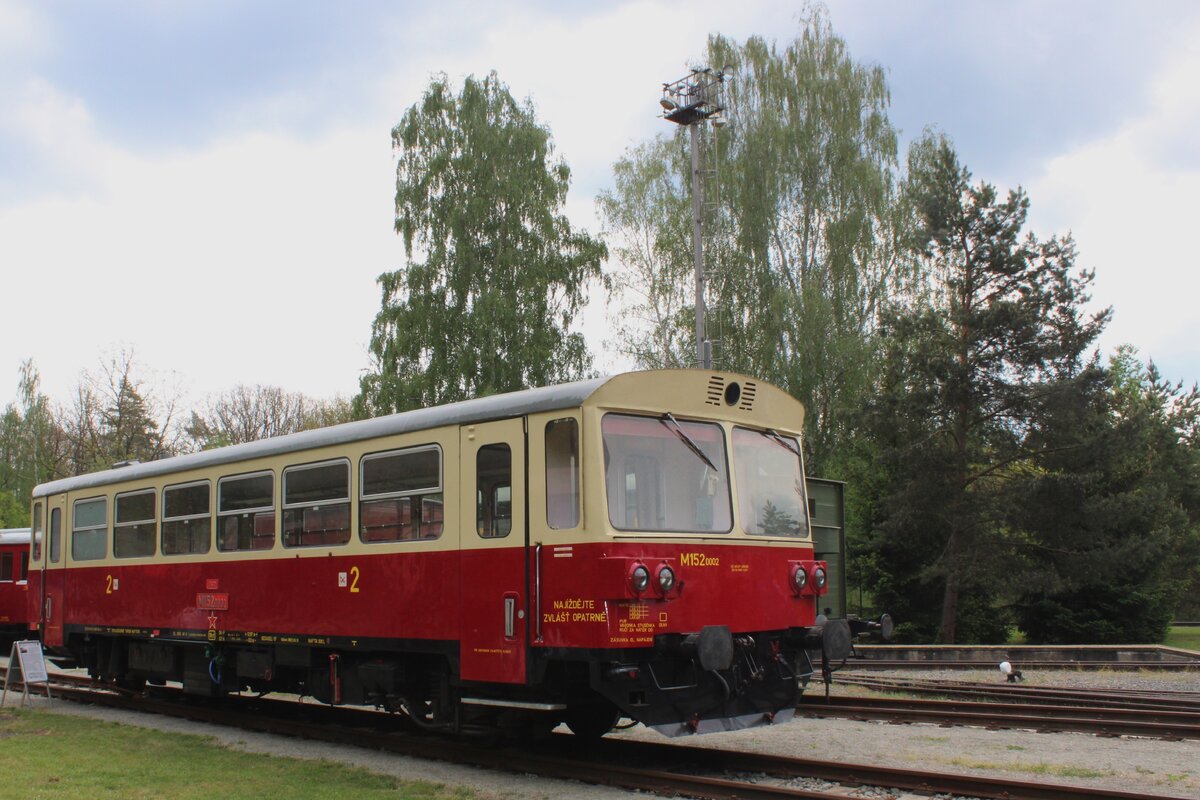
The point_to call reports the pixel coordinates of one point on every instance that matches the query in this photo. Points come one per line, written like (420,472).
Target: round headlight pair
(639,579)
(800,578)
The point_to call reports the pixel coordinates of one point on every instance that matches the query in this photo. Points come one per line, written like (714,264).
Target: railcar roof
(14,535)
(482,409)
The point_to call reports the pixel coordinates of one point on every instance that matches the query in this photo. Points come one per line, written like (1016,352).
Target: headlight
(819,577)
(799,578)
(639,578)
(666,579)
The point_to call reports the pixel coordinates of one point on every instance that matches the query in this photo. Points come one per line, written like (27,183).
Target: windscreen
(664,475)
(770,484)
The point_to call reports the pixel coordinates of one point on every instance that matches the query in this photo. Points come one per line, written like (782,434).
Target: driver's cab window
(493,491)
(55,535)
(37,533)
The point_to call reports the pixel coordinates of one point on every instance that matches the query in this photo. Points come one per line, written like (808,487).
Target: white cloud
(251,261)
(1130,201)
(22,32)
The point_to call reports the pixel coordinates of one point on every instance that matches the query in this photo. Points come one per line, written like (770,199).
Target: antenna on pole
(689,101)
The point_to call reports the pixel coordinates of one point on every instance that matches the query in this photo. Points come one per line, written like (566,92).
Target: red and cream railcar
(634,545)
(14,585)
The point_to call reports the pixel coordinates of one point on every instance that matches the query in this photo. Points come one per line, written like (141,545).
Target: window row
(400,499)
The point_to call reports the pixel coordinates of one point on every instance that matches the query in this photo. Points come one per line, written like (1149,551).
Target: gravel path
(1130,764)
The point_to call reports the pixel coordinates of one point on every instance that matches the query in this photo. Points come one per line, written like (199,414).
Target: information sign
(26,666)
(33,666)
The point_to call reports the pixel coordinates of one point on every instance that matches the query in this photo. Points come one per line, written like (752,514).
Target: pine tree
(970,378)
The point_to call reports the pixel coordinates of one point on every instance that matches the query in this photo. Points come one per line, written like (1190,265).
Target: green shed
(827,510)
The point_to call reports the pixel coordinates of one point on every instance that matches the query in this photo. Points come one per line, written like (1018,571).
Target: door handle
(510,613)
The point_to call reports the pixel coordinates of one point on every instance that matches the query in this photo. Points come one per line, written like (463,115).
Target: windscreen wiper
(683,437)
(783,442)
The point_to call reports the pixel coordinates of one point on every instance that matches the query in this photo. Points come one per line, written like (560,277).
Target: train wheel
(593,720)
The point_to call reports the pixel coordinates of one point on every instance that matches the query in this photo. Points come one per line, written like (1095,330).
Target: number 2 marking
(108,588)
(354,575)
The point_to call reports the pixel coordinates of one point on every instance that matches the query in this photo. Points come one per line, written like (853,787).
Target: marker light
(799,578)
(666,579)
(639,578)
(819,578)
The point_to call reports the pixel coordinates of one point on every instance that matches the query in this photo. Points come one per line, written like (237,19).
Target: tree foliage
(250,413)
(32,447)
(975,378)
(646,215)
(800,239)
(495,273)
(118,415)
(1112,522)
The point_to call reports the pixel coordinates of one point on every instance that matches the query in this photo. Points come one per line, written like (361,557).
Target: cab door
(54,563)
(493,542)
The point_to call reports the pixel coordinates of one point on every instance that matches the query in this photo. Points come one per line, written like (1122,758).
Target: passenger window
(187,519)
(401,495)
(316,504)
(37,532)
(246,512)
(562,474)
(134,524)
(55,535)
(493,495)
(89,534)
(6,567)
(24,567)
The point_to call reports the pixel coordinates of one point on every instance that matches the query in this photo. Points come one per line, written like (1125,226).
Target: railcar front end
(693,591)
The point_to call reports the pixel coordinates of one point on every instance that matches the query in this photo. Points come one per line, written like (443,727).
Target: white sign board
(33,666)
(25,666)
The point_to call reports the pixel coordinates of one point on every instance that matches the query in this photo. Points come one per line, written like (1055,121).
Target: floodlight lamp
(668,104)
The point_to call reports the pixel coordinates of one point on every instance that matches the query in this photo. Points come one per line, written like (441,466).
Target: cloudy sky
(209,184)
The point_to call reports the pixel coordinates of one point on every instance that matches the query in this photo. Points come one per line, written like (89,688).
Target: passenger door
(493,542)
(54,572)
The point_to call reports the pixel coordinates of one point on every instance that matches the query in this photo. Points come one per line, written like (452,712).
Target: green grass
(1188,638)
(76,758)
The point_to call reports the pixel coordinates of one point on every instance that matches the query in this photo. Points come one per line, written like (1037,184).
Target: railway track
(663,768)
(1111,698)
(1025,664)
(1155,723)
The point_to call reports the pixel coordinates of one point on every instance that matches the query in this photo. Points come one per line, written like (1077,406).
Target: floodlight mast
(690,101)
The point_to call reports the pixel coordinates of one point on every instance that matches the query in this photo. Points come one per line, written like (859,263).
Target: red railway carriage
(14,585)
(636,545)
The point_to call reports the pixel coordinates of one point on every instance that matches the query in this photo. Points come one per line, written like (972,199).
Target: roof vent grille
(749,389)
(716,390)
